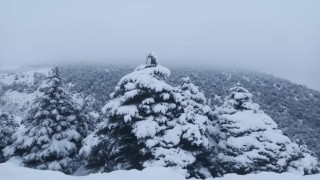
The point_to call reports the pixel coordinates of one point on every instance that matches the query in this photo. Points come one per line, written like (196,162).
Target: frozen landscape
(203,138)
(160,90)
(9,171)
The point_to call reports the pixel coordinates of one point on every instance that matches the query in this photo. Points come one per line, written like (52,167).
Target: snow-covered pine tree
(1,90)
(2,102)
(250,140)
(53,130)
(238,100)
(8,126)
(140,108)
(144,126)
(194,121)
(90,114)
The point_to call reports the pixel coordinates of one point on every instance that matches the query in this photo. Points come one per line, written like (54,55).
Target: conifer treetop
(240,93)
(143,77)
(239,99)
(152,59)
(192,91)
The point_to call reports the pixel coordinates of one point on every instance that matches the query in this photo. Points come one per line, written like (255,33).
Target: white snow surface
(18,102)
(11,171)
(24,75)
(144,76)
(21,99)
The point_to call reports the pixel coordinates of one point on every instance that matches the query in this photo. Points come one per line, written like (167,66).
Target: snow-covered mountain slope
(10,171)
(20,87)
(295,108)
(21,75)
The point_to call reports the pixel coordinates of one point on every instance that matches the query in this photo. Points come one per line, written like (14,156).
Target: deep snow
(10,171)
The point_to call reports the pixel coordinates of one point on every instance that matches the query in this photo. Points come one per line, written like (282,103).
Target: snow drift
(10,171)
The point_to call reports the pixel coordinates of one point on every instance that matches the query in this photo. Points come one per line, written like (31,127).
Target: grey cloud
(281,37)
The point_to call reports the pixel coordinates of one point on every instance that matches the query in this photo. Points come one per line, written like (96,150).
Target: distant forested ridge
(166,116)
(295,108)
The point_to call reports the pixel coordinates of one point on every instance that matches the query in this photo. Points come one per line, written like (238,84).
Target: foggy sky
(280,37)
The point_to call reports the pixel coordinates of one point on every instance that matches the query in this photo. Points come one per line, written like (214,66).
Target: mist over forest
(125,90)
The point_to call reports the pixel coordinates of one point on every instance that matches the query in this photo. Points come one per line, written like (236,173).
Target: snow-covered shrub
(250,140)
(305,165)
(147,125)
(8,126)
(308,164)
(53,130)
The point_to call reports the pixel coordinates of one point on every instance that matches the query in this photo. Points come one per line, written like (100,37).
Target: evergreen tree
(194,122)
(89,113)
(238,100)
(146,125)
(1,90)
(250,140)
(8,126)
(53,130)
(2,102)
(140,107)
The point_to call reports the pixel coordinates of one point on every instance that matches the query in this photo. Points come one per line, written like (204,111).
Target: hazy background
(280,37)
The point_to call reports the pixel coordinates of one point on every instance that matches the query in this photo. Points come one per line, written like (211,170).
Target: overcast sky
(280,37)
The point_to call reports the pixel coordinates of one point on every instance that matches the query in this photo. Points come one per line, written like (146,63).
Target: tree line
(148,122)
